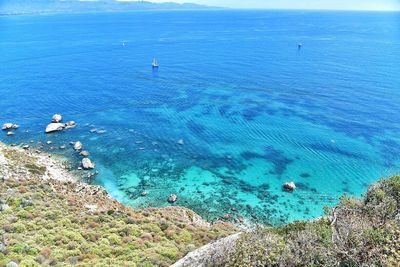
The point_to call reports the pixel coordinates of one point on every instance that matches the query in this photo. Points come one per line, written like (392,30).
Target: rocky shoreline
(56,125)
(20,161)
(161,235)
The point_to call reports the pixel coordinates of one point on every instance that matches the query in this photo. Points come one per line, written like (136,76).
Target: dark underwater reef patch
(196,128)
(390,150)
(276,157)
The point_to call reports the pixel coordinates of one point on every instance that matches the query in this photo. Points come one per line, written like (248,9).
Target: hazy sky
(300,4)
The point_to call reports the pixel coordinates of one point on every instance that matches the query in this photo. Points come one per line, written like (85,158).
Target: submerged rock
(172,198)
(289,186)
(181,142)
(57,118)
(70,124)
(54,127)
(84,153)
(227,216)
(78,145)
(87,164)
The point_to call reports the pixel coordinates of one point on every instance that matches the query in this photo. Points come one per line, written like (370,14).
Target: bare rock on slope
(210,254)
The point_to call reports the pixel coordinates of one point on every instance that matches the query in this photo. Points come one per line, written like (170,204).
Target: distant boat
(154,64)
(300,45)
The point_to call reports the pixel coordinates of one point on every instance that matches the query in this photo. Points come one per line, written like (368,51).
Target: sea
(242,102)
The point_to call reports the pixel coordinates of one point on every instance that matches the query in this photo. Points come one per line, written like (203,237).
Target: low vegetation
(48,222)
(358,232)
(52,223)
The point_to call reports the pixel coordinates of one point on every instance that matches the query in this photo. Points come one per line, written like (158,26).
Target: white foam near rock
(57,118)
(87,164)
(54,127)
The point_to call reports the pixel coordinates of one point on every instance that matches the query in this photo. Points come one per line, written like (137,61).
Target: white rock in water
(54,127)
(172,198)
(78,145)
(7,126)
(289,186)
(87,164)
(57,118)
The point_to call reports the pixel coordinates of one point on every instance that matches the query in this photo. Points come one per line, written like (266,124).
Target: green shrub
(375,236)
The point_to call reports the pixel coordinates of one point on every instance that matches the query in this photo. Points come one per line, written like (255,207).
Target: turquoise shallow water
(253,110)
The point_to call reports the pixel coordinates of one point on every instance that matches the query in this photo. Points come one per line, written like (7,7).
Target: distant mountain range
(52,6)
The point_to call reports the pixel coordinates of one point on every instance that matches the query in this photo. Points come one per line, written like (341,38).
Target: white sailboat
(154,64)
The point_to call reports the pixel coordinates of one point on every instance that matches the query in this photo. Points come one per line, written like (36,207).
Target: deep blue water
(252,109)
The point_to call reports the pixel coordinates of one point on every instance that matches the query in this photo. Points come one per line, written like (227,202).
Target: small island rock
(289,186)
(54,127)
(78,145)
(57,118)
(9,126)
(87,164)
(172,198)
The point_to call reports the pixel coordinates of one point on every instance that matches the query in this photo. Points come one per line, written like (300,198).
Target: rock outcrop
(56,118)
(211,254)
(289,186)
(87,164)
(172,198)
(9,126)
(78,145)
(54,127)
